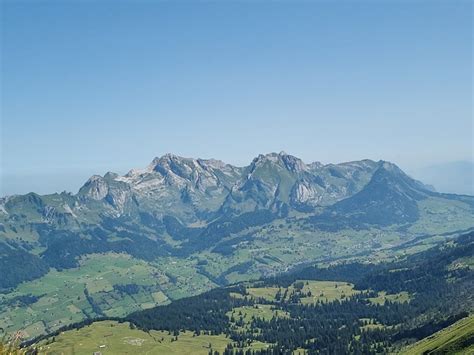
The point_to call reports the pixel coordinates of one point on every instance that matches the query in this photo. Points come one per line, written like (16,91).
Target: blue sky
(93,86)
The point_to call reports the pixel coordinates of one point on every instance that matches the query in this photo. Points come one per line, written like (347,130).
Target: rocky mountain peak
(173,164)
(96,188)
(395,176)
(185,173)
(314,166)
(282,160)
(293,163)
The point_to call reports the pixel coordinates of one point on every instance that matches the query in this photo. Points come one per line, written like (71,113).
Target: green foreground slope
(456,339)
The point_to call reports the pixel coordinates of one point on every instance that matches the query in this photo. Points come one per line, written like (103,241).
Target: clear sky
(93,86)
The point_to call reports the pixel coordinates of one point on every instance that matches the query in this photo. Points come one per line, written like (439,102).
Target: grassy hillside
(456,339)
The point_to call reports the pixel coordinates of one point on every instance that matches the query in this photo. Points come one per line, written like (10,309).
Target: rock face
(307,192)
(96,188)
(3,201)
(201,175)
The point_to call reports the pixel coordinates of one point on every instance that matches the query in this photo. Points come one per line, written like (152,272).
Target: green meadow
(61,299)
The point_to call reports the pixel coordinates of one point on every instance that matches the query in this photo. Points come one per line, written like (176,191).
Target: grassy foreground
(456,339)
(110,337)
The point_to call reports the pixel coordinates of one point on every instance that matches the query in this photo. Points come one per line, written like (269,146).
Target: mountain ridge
(268,180)
(185,205)
(202,189)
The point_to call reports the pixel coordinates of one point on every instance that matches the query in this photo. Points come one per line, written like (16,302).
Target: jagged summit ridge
(269,180)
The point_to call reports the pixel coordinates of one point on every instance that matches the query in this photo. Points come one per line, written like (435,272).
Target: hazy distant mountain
(454,177)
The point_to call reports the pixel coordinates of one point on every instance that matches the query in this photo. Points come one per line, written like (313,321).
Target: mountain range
(201,190)
(193,224)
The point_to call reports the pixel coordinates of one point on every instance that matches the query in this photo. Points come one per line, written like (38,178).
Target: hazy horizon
(94,87)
